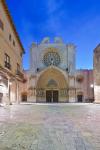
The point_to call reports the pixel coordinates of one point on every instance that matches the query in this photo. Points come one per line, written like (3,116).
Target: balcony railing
(20,74)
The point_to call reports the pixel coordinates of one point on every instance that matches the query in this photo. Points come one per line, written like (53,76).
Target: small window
(13,43)
(21,54)
(9,37)
(7,61)
(1,25)
(18,68)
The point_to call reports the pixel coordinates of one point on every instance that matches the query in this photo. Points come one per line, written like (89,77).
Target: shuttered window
(1,25)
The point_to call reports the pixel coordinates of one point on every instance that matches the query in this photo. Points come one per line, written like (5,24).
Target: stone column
(6,94)
(72,96)
(97,93)
(17,92)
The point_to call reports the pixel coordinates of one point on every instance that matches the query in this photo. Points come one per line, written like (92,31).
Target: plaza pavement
(50,127)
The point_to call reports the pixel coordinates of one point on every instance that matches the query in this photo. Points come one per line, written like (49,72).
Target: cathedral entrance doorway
(52,96)
(80,98)
(52,86)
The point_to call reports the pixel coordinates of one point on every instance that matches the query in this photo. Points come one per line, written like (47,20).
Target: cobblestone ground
(50,127)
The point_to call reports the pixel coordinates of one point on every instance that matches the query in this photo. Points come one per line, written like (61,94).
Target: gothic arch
(54,82)
(52,73)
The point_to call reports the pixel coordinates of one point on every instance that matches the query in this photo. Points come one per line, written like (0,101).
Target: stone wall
(97,74)
(84,84)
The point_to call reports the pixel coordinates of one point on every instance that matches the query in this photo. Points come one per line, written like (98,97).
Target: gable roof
(12,23)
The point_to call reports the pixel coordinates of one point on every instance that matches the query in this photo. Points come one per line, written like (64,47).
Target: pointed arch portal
(52,86)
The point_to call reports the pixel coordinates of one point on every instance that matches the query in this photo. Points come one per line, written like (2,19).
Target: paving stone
(50,127)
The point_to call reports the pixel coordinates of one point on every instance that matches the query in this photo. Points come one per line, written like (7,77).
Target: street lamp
(92,88)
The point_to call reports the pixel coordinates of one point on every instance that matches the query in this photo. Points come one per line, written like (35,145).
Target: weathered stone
(50,127)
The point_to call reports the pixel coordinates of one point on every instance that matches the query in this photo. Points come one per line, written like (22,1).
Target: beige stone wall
(6,46)
(97,74)
(14,50)
(72,96)
(84,84)
(97,93)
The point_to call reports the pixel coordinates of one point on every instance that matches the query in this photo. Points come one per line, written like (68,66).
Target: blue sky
(77,22)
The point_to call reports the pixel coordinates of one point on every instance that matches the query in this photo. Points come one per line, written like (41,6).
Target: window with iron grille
(7,61)
(13,43)
(10,37)
(1,25)
(18,68)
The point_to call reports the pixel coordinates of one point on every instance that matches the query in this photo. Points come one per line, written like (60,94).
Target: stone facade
(97,74)
(52,72)
(11,51)
(53,76)
(84,85)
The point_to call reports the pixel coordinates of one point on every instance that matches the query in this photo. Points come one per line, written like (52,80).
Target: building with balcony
(11,52)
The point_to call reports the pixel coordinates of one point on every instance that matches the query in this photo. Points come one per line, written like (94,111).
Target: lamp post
(92,88)
(68,71)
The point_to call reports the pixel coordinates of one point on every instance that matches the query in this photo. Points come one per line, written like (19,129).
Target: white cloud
(53,5)
(54,22)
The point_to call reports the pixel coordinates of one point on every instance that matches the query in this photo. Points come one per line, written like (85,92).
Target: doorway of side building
(24,97)
(52,96)
(80,98)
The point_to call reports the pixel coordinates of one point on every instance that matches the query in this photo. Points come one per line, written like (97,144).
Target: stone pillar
(72,96)
(97,74)
(9,91)
(97,93)
(17,92)
(6,94)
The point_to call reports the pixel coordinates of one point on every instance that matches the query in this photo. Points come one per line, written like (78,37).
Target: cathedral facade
(52,72)
(53,77)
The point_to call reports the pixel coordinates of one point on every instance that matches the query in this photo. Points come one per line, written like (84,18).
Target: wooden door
(49,96)
(80,98)
(24,98)
(55,96)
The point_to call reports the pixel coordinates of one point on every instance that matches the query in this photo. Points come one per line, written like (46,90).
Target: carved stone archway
(54,80)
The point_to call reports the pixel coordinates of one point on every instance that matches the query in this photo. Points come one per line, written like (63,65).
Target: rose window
(51,58)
